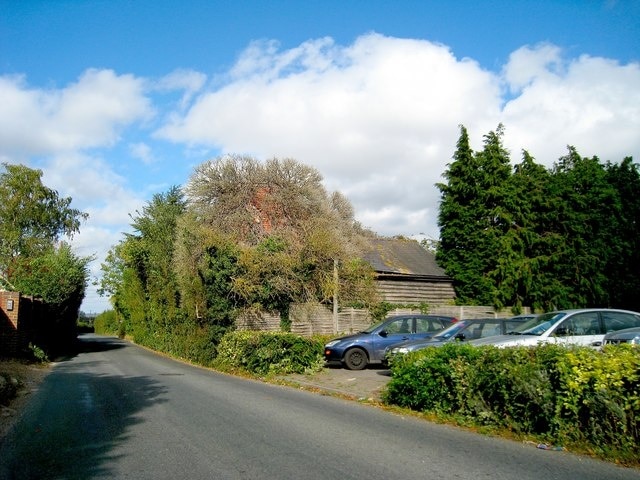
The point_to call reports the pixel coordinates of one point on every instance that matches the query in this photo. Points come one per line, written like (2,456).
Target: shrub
(38,354)
(107,323)
(512,388)
(599,399)
(426,380)
(264,353)
(570,395)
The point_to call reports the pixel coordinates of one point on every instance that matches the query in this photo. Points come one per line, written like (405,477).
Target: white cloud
(188,80)
(142,151)
(590,103)
(94,187)
(380,118)
(527,64)
(89,113)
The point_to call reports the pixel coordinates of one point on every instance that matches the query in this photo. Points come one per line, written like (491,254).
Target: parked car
(461,331)
(525,316)
(586,326)
(627,335)
(367,347)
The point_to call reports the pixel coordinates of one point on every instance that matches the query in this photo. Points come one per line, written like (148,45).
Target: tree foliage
(138,273)
(246,235)
(33,258)
(473,216)
(57,275)
(531,236)
(624,262)
(32,216)
(286,230)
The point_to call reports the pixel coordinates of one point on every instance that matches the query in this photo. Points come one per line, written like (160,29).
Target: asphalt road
(119,411)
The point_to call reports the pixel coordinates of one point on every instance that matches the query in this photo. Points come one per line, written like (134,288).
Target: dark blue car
(367,347)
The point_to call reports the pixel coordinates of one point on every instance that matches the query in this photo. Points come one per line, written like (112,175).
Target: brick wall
(10,338)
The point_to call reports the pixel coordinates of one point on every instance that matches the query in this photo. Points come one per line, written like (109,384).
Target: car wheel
(355,359)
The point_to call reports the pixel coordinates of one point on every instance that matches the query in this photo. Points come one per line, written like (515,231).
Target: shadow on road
(377,368)
(78,423)
(89,343)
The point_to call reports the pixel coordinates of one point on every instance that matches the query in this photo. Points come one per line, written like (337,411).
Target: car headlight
(400,350)
(635,340)
(331,343)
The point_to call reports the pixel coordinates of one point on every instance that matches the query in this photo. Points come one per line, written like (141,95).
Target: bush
(599,399)
(426,380)
(38,354)
(84,327)
(183,338)
(264,353)
(190,341)
(574,396)
(107,324)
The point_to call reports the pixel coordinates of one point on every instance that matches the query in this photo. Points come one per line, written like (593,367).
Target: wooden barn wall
(404,292)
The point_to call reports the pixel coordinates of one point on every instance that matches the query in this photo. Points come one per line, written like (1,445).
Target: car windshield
(374,326)
(538,325)
(451,330)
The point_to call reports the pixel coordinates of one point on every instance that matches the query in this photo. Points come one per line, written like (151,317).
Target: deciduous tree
(287,230)
(33,217)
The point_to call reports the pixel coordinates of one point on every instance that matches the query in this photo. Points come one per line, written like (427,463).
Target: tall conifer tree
(623,271)
(586,209)
(472,215)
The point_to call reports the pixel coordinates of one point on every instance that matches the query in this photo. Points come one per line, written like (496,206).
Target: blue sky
(117,100)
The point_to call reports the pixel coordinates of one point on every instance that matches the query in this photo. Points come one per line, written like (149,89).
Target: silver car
(627,335)
(586,326)
(461,331)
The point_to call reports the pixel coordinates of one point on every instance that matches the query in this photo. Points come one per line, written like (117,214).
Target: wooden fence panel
(316,319)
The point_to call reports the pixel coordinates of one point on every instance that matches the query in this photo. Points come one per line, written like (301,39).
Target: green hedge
(264,353)
(578,397)
(107,324)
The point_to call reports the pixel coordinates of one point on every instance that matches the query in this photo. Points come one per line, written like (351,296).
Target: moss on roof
(402,256)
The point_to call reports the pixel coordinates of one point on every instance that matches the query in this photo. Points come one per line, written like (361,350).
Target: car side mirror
(383,333)
(460,336)
(561,331)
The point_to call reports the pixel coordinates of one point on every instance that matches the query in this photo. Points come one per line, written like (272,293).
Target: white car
(586,326)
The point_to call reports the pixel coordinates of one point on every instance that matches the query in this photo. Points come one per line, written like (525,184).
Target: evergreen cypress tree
(623,272)
(472,216)
(586,212)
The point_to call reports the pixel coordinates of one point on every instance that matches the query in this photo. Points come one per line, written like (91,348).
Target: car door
(396,331)
(583,328)
(426,327)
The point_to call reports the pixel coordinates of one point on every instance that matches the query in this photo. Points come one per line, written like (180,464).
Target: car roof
(603,309)
(417,315)
(484,320)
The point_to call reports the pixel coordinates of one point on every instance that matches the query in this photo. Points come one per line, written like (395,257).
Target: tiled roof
(402,257)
